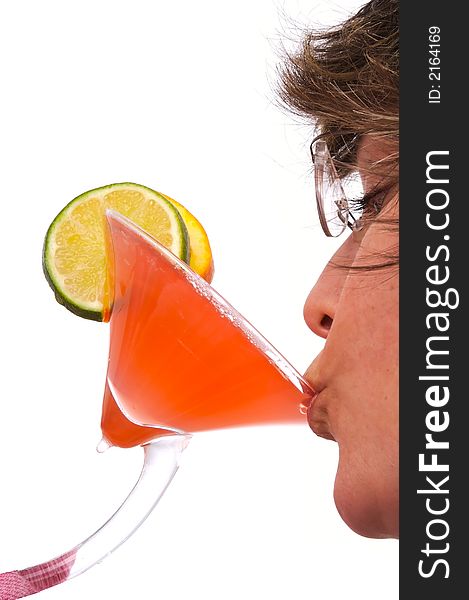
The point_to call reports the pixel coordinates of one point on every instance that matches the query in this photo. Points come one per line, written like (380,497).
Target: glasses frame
(322,160)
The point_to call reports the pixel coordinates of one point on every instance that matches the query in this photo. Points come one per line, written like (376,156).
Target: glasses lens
(332,203)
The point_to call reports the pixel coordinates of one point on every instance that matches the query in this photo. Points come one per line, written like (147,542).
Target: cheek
(366,489)
(360,361)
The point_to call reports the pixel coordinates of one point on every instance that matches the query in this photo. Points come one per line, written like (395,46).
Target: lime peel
(74,254)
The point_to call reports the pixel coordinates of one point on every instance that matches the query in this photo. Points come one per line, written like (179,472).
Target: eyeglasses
(334,208)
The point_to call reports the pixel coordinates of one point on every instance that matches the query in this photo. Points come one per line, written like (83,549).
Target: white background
(180,97)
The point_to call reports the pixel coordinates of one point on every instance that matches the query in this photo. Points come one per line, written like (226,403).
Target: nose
(321,303)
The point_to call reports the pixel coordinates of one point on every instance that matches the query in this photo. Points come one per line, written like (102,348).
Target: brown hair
(346,80)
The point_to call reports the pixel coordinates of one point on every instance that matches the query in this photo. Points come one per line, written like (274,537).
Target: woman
(347,81)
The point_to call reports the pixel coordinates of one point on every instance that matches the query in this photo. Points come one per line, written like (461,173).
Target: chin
(368,507)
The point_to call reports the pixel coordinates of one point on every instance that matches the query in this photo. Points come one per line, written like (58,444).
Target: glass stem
(160,465)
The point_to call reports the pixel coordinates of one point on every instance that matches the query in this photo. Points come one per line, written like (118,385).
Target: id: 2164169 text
(434,70)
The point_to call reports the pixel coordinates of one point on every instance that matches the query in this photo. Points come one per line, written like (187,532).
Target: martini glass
(181,361)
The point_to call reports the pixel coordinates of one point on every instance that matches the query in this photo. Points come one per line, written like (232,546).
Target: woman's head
(346,81)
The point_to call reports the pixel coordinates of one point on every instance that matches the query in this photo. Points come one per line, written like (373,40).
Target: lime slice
(74,255)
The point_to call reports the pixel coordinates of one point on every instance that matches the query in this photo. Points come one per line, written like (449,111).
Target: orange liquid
(180,357)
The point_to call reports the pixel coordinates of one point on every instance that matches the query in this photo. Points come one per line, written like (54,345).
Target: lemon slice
(74,254)
(201,260)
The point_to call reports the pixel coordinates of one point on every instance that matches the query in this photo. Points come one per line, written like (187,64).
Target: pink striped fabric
(18,584)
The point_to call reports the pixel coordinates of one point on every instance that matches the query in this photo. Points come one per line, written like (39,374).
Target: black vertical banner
(434,329)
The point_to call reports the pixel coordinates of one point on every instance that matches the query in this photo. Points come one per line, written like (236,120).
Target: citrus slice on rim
(74,254)
(201,260)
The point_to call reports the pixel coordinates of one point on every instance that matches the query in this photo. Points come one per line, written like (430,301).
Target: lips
(317,412)
(318,418)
